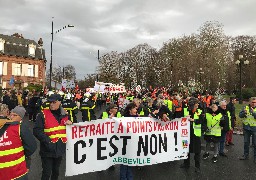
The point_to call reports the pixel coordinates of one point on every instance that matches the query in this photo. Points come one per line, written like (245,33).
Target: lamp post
(64,27)
(239,62)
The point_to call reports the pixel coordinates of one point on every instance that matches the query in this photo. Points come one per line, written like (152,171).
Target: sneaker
(214,159)
(244,157)
(185,166)
(223,154)
(227,144)
(206,155)
(230,143)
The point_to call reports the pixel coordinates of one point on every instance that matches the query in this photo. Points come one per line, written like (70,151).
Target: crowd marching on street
(211,119)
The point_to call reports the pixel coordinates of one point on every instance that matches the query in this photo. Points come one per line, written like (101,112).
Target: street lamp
(64,27)
(239,62)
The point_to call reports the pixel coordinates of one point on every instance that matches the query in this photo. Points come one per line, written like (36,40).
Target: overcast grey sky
(117,25)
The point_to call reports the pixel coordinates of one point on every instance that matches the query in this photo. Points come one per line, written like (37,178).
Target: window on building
(17,70)
(2,45)
(31,50)
(31,70)
(1,68)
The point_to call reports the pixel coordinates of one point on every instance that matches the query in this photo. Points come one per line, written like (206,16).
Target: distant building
(22,61)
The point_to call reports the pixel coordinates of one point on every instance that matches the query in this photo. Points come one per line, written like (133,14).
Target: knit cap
(20,111)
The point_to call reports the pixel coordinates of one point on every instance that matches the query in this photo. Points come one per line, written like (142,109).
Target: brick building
(23,59)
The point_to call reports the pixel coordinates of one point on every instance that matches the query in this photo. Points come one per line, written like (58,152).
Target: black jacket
(164,109)
(144,109)
(47,148)
(32,104)
(88,104)
(231,108)
(224,123)
(195,141)
(6,99)
(71,108)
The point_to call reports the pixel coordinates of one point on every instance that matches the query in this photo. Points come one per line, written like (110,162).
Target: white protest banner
(68,83)
(109,87)
(115,89)
(99,87)
(97,145)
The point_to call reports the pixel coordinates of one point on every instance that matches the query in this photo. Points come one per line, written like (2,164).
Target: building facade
(22,62)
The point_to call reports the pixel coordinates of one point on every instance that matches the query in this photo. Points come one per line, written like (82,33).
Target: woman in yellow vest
(213,132)
(196,119)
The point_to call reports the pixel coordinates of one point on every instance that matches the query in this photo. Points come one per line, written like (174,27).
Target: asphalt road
(226,168)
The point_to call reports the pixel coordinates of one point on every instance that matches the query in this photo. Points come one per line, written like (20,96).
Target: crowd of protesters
(210,117)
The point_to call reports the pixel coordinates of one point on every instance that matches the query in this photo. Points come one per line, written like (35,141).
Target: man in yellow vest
(196,118)
(17,144)
(249,125)
(50,130)
(111,111)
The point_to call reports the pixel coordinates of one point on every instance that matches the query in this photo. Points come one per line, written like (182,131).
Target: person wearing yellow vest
(130,97)
(17,144)
(162,108)
(213,131)
(196,118)
(225,124)
(50,130)
(111,111)
(141,109)
(168,103)
(248,114)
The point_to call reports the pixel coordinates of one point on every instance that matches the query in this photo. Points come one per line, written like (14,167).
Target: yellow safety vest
(213,124)
(196,127)
(142,112)
(249,120)
(105,115)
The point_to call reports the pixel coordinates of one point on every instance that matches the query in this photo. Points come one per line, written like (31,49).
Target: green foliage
(248,92)
(239,107)
(36,87)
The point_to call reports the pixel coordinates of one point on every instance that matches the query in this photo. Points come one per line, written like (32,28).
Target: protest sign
(97,145)
(66,84)
(109,87)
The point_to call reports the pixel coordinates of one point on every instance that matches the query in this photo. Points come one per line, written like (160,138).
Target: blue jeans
(222,141)
(247,136)
(125,172)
